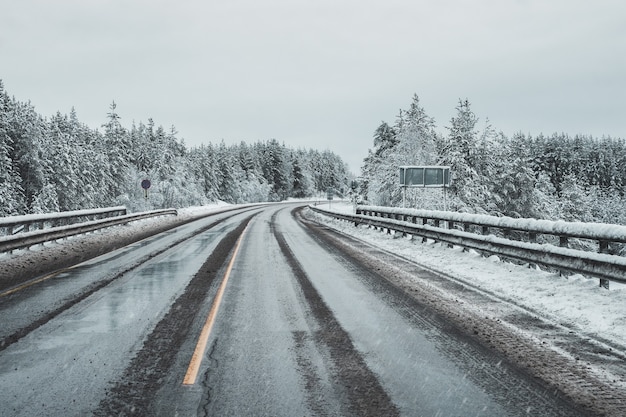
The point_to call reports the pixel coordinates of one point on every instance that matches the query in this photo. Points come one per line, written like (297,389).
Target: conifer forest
(556,177)
(57,163)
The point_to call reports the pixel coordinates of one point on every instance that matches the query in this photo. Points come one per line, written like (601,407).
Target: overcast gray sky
(323,73)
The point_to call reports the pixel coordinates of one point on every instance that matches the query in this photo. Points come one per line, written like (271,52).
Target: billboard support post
(425,177)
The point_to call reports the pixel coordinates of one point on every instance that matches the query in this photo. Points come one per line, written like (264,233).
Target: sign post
(424,177)
(145,184)
(329,195)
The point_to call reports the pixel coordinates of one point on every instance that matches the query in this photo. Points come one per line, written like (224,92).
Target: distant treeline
(578,178)
(58,163)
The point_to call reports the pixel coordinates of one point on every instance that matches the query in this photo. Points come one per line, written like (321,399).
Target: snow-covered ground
(34,260)
(575,301)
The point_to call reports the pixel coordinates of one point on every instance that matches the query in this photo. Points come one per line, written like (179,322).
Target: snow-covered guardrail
(28,239)
(476,232)
(17,224)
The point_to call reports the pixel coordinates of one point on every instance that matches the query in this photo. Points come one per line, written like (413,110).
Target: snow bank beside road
(25,264)
(598,231)
(576,301)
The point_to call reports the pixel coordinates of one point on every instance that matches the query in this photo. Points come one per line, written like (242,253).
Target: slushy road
(256,312)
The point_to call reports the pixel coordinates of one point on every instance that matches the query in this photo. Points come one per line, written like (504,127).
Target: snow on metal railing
(24,223)
(592,231)
(28,239)
(601,265)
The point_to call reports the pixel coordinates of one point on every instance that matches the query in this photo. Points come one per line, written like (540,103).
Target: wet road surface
(297,328)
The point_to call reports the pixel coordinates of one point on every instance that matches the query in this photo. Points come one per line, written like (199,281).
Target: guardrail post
(403,217)
(532,238)
(363,212)
(413,220)
(565,262)
(466,229)
(604,248)
(437,224)
(564,243)
(450,227)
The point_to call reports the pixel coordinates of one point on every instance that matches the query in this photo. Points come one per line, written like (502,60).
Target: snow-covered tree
(227,173)
(46,201)
(11,193)
(412,141)
(203,165)
(27,130)
(116,146)
(61,164)
(460,151)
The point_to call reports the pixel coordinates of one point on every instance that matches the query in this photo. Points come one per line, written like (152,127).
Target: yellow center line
(33,282)
(196,358)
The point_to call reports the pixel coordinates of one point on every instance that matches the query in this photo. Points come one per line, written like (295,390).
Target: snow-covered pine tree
(116,146)
(11,193)
(203,164)
(226,174)
(63,168)
(27,129)
(460,152)
(412,141)
(513,184)
(299,186)
(276,170)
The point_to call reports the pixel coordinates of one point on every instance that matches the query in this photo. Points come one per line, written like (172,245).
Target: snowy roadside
(575,300)
(41,259)
(576,303)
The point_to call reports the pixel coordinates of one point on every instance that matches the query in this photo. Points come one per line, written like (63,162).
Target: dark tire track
(83,248)
(566,381)
(93,288)
(366,395)
(142,379)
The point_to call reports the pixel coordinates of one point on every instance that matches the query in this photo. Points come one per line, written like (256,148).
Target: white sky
(323,73)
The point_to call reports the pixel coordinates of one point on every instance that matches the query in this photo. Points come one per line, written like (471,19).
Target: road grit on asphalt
(588,368)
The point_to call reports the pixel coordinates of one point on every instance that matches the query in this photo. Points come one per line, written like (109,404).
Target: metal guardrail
(455,229)
(28,239)
(17,224)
